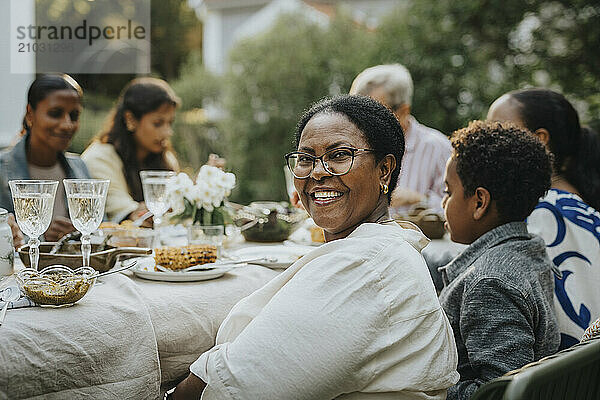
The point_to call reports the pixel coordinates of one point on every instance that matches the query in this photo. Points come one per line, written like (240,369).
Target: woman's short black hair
(379,125)
(508,161)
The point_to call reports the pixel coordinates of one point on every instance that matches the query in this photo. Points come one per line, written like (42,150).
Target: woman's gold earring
(384,188)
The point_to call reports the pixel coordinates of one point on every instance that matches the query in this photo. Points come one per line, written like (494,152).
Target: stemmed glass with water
(156,196)
(86,199)
(34,202)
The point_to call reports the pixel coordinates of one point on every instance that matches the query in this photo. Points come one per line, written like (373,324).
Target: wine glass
(86,199)
(156,196)
(34,202)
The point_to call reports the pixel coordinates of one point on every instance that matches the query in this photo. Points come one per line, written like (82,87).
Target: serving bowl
(102,258)
(267,221)
(56,285)
(123,236)
(428,220)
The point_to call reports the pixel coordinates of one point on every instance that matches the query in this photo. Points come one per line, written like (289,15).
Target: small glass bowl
(56,285)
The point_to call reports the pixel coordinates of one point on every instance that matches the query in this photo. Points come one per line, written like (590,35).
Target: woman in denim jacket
(50,122)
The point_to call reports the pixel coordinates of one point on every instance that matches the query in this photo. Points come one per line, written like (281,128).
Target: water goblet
(86,199)
(156,195)
(33,201)
(207,234)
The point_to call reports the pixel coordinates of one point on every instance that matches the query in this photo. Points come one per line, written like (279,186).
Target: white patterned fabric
(356,318)
(571,230)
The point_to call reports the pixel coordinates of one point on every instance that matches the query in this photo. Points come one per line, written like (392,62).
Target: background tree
(463,54)
(272,78)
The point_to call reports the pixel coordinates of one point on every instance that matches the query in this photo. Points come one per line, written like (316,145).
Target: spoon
(217,265)
(11,293)
(114,271)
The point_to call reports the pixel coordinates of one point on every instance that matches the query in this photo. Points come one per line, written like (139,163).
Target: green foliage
(195,84)
(464,54)
(175,31)
(273,77)
(95,111)
(194,141)
(195,137)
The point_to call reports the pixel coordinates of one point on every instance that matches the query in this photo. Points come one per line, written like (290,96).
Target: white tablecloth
(186,316)
(129,338)
(103,347)
(121,341)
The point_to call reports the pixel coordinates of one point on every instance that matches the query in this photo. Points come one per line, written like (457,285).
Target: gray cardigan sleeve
(497,327)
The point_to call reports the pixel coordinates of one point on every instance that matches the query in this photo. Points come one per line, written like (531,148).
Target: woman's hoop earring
(384,188)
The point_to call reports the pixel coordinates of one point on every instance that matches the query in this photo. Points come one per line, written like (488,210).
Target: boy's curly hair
(508,161)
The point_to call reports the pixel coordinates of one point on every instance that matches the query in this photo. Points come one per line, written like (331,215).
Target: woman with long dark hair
(136,138)
(567,217)
(50,122)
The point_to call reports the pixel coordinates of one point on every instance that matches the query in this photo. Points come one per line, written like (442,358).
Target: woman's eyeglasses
(336,161)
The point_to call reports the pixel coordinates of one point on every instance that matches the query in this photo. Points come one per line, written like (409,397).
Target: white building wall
(212,53)
(13,86)
(226,21)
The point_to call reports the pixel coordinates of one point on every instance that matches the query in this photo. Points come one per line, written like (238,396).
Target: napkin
(23,301)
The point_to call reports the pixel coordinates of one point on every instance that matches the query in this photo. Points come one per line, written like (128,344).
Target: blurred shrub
(464,54)
(272,78)
(95,110)
(195,137)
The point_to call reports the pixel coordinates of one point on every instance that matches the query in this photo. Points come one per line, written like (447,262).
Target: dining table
(128,338)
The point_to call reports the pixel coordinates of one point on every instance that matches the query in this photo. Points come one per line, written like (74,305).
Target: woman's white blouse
(357,318)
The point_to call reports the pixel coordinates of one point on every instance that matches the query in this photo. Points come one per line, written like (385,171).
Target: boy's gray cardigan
(498,297)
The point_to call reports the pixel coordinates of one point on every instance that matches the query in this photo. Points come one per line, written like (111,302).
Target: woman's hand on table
(141,210)
(17,235)
(59,227)
(189,389)
(215,160)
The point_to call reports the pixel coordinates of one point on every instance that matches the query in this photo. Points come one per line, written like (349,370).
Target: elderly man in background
(422,173)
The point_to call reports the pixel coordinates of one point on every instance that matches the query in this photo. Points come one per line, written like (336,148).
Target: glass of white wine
(86,199)
(34,202)
(156,195)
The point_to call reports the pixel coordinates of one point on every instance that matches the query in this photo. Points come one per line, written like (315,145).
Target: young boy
(498,292)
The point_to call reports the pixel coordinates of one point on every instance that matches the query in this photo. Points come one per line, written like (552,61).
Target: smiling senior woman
(358,317)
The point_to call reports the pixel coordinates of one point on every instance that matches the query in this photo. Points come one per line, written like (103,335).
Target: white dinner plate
(145,270)
(280,257)
(302,242)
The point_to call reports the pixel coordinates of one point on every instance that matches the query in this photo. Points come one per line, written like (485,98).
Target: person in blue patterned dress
(567,218)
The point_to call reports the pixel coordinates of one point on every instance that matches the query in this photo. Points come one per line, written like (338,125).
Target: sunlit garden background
(462,55)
